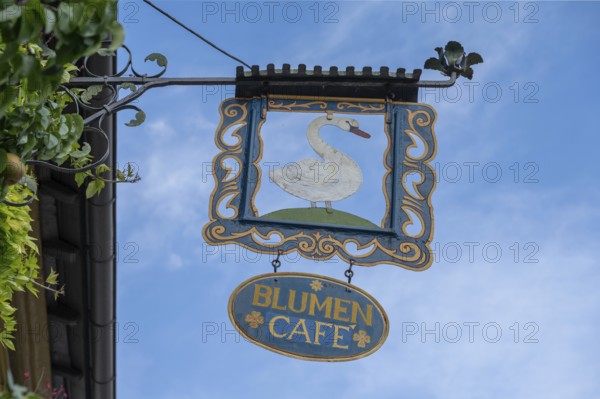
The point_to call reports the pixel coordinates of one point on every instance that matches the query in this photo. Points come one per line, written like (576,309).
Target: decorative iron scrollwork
(160,59)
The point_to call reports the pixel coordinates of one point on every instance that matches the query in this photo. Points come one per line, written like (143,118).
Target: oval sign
(309,317)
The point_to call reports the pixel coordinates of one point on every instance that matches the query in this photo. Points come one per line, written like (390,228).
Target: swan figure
(335,177)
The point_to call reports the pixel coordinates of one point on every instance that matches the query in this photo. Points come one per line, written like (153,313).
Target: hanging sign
(325,177)
(309,317)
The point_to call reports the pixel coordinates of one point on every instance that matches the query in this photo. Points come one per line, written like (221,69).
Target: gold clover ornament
(362,338)
(255,319)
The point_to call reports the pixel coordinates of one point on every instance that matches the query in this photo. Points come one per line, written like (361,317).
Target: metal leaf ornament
(453,58)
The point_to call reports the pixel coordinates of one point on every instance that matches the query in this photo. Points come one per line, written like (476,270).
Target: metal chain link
(349,273)
(276,263)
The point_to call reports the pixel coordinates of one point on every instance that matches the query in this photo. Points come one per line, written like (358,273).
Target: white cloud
(161,130)
(175,262)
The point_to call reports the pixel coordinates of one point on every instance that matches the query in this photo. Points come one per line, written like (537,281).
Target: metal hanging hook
(276,263)
(349,273)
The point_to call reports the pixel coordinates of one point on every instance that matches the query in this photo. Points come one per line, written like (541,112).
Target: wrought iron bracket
(147,83)
(138,83)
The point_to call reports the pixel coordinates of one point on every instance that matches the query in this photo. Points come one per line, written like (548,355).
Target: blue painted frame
(406,124)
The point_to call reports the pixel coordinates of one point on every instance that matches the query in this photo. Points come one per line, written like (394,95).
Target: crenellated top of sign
(333,72)
(350,81)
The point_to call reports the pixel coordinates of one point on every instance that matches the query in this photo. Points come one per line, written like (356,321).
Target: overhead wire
(195,33)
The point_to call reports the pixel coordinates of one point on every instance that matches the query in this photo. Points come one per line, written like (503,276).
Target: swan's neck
(324,150)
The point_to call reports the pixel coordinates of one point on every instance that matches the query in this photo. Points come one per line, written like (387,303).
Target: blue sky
(515,206)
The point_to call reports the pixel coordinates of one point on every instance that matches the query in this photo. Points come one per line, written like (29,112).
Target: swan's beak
(359,132)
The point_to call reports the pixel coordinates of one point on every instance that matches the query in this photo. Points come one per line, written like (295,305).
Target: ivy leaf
(63,130)
(7,342)
(82,152)
(93,188)
(13,224)
(8,309)
(51,140)
(66,76)
(80,178)
(90,92)
(433,63)
(52,278)
(102,169)
(77,126)
(45,116)
(160,59)
(140,117)
(120,175)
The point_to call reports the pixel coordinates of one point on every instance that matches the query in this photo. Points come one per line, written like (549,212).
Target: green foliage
(77,29)
(39,42)
(97,179)
(18,261)
(454,59)
(18,267)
